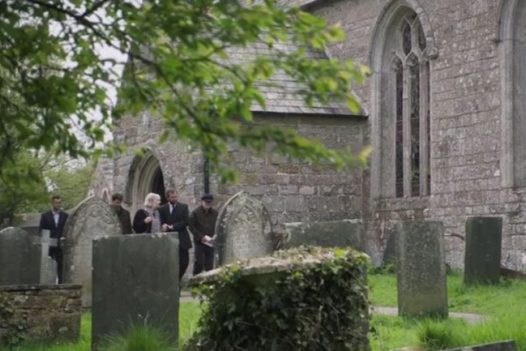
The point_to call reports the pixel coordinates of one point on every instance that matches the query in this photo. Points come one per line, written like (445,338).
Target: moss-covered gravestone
(243,229)
(19,257)
(300,299)
(135,283)
(347,232)
(91,219)
(483,250)
(422,287)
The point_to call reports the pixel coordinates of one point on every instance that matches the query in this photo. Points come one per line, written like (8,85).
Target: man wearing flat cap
(202,225)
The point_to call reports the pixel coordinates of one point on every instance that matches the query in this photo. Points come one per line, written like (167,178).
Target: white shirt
(56,217)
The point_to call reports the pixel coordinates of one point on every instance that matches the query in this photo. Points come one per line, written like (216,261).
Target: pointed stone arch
(512,56)
(402,34)
(145,176)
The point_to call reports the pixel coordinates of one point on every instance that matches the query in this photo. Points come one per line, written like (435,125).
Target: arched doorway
(145,176)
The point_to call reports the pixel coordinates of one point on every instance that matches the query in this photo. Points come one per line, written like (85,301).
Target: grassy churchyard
(503,305)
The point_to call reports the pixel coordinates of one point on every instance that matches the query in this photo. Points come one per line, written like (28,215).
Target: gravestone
(422,287)
(19,257)
(91,219)
(347,232)
(244,229)
(48,266)
(497,346)
(483,250)
(135,281)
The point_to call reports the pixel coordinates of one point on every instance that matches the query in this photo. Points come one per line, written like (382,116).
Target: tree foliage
(71,183)
(43,176)
(54,75)
(22,187)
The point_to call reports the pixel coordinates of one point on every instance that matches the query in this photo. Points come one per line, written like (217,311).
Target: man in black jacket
(202,225)
(54,221)
(174,218)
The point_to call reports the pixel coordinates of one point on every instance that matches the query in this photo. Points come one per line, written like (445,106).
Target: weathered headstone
(497,346)
(135,281)
(19,257)
(483,250)
(422,286)
(244,229)
(48,266)
(347,232)
(91,219)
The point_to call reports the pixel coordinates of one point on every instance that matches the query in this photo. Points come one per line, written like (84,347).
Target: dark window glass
(399,163)
(406,38)
(414,70)
(428,133)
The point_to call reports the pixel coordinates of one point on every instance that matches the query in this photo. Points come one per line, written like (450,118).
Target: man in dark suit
(123,214)
(54,221)
(174,218)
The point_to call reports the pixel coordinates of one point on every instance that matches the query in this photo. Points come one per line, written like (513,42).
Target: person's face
(172,198)
(116,203)
(156,203)
(56,204)
(207,204)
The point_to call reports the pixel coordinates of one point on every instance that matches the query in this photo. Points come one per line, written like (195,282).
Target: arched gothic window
(410,73)
(401,125)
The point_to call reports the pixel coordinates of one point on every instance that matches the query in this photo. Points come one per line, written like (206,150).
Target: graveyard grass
(189,313)
(503,304)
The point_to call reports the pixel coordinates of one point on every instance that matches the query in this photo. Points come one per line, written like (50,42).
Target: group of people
(173,216)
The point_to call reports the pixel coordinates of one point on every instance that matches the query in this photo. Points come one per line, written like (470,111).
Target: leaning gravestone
(91,219)
(483,250)
(135,282)
(244,229)
(422,287)
(19,257)
(347,232)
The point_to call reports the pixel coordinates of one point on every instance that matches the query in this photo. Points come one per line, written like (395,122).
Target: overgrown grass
(502,304)
(189,313)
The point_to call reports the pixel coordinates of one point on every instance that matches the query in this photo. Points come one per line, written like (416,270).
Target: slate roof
(282,93)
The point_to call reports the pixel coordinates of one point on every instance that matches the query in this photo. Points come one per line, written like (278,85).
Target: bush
(318,303)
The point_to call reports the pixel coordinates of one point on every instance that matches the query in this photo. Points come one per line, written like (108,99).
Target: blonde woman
(147,219)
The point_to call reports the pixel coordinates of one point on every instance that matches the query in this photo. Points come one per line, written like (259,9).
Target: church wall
(294,191)
(181,164)
(466,138)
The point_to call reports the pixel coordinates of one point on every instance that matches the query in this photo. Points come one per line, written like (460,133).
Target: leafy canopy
(55,72)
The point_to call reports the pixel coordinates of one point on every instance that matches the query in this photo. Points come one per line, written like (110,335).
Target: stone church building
(443,110)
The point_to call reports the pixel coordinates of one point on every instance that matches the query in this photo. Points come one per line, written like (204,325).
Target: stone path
(470,318)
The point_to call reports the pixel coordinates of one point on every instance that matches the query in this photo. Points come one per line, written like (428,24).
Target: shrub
(319,302)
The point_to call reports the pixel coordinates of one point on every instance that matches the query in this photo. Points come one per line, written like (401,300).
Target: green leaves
(199,66)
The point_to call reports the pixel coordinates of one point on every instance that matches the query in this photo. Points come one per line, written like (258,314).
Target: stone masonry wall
(292,190)
(40,313)
(466,137)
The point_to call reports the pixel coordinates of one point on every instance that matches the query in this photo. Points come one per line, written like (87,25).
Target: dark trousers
(183,262)
(204,258)
(56,254)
